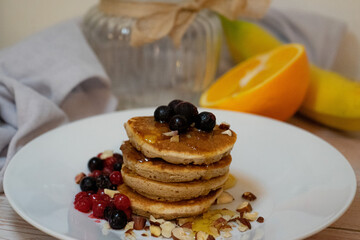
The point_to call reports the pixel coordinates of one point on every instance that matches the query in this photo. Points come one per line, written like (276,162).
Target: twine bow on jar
(155,20)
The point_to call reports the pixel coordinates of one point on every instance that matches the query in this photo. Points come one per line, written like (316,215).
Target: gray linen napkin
(50,79)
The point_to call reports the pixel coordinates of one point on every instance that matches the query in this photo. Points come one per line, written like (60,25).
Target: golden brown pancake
(195,146)
(171,192)
(160,170)
(169,210)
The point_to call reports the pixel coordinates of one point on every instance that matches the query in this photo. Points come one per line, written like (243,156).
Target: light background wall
(21,18)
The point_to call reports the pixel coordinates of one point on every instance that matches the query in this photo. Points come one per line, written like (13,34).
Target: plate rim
(58,235)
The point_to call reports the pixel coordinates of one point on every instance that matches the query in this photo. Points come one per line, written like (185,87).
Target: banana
(331,99)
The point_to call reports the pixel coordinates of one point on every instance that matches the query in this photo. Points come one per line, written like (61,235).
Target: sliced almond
(79,177)
(249,196)
(224,198)
(219,223)
(154,221)
(227,234)
(201,235)
(244,207)
(139,222)
(110,192)
(171,134)
(243,227)
(227,132)
(175,138)
(178,233)
(182,221)
(166,229)
(129,226)
(106,154)
(155,231)
(251,216)
(214,231)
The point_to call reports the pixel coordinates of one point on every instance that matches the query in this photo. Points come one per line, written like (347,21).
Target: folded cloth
(48,80)
(321,35)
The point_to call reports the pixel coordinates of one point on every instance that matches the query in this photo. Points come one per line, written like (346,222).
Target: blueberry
(117,219)
(118,166)
(107,212)
(205,121)
(95,163)
(178,123)
(188,110)
(173,104)
(88,184)
(162,114)
(103,181)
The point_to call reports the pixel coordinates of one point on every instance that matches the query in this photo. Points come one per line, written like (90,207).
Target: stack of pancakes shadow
(172,177)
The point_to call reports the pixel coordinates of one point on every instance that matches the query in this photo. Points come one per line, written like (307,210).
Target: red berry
(98,208)
(106,171)
(95,173)
(128,213)
(83,205)
(80,195)
(121,201)
(109,162)
(116,178)
(106,198)
(95,197)
(99,155)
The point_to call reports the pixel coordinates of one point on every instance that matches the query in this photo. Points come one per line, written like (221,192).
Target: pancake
(143,206)
(160,170)
(170,192)
(195,146)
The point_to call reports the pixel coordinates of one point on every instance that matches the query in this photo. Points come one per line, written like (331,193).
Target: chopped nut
(201,235)
(79,177)
(166,229)
(175,138)
(249,196)
(227,132)
(182,221)
(214,231)
(139,222)
(260,219)
(171,134)
(106,154)
(244,207)
(219,223)
(227,235)
(156,222)
(245,222)
(224,126)
(242,227)
(251,216)
(110,192)
(224,198)
(130,235)
(178,233)
(187,225)
(129,225)
(155,231)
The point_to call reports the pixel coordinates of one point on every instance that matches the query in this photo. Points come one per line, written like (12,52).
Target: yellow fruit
(246,39)
(333,100)
(273,84)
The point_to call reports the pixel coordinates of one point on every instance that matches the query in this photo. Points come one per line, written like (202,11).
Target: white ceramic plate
(302,183)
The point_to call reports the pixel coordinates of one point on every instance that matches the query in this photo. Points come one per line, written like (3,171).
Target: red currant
(109,162)
(95,197)
(83,205)
(98,208)
(121,201)
(116,178)
(95,173)
(106,171)
(80,195)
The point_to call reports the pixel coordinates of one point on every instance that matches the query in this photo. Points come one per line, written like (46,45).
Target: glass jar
(155,73)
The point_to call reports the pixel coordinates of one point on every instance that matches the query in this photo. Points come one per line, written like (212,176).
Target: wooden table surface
(12,226)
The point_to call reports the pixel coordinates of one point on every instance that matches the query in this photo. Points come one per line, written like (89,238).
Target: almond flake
(129,225)
(175,138)
(227,132)
(110,192)
(106,154)
(171,134)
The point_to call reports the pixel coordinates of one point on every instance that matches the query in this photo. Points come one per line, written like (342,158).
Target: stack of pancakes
(170,178)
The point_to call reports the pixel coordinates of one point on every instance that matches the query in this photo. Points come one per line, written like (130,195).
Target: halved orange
(272,84)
